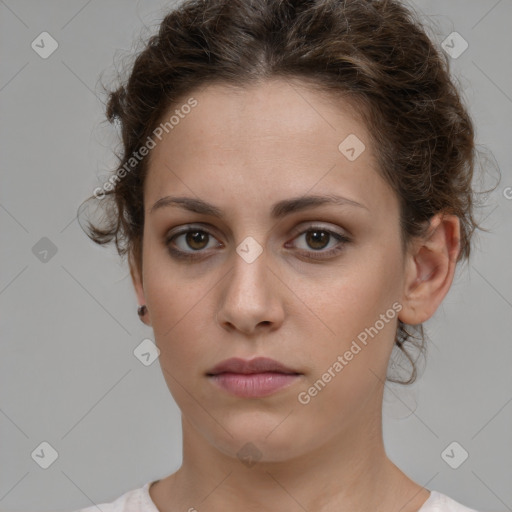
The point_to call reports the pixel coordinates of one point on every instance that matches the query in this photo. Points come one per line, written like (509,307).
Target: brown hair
(373,52)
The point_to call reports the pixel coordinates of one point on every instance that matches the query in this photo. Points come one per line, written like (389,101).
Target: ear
(429,269)
(139,288)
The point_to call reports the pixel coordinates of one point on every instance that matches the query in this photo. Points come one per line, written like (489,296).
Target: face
(316,288)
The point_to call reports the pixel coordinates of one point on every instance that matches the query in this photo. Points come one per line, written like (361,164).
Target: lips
(247,367)
(256,378)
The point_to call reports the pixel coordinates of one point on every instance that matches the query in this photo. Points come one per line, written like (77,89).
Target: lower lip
(253,385)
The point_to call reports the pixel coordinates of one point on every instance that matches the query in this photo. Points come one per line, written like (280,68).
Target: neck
(349,472)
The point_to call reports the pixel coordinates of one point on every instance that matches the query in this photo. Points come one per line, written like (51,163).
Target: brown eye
(317,239)
(196,239)
(190,243)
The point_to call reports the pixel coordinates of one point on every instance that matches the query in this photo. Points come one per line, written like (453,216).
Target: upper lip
(256,365)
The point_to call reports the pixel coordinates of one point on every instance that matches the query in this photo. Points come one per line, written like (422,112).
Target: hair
(375,54)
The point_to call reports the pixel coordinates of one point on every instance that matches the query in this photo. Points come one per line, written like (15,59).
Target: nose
(250,298)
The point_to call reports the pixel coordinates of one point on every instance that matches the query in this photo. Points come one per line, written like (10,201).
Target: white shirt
(139,500)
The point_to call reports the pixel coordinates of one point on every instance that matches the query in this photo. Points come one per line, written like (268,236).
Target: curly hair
(375,53)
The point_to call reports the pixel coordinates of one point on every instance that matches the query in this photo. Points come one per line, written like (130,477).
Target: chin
(260,441)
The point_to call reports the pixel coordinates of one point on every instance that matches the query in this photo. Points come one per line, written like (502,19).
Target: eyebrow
(279,209)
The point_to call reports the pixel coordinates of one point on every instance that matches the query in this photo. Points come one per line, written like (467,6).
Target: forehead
(273,140)
(227,117)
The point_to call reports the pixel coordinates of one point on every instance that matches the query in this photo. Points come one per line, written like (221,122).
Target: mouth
(253,378)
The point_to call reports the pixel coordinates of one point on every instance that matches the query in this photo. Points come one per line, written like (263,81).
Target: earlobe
(430,267)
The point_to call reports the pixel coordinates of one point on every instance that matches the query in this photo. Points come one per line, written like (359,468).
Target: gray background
(69,324)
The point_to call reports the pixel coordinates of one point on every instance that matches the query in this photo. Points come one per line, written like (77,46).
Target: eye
(194,238)
(198,240)
(318,237)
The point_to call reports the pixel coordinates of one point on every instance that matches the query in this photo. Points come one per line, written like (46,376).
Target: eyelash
(183,255)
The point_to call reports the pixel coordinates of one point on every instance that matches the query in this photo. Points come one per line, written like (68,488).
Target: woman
(293,195)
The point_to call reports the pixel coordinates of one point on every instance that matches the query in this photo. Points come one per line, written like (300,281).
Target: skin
(243,151)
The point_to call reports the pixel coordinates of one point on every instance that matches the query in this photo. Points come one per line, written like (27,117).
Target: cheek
(355,313)
(353,296)
(177,313)
(178,319)
(174,293)
(181,315)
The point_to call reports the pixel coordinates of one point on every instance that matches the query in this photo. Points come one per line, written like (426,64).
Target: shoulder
(133,500)
(439,502)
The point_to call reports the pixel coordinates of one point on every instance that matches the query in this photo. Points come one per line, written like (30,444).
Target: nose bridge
(250,267)
(251,238)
